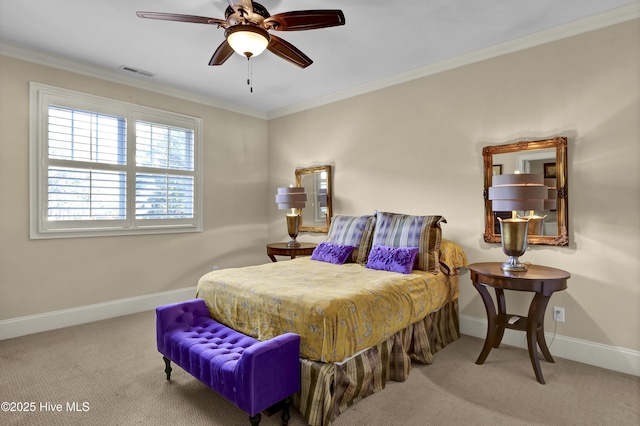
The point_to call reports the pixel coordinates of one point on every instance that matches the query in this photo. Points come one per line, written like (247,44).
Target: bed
(362,320)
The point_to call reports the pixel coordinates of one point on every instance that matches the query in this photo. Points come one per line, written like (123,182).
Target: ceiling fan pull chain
(249,74)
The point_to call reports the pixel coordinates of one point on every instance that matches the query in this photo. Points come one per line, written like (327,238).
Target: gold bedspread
(338,310)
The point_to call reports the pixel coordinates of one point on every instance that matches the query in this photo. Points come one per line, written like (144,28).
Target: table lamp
(293,198)
(515,192)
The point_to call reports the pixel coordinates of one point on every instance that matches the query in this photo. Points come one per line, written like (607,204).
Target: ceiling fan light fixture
(247,40)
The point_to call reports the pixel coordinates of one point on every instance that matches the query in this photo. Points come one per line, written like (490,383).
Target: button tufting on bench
(251,374)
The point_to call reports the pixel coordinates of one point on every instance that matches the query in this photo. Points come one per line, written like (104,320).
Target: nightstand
(542,281)
(281,249)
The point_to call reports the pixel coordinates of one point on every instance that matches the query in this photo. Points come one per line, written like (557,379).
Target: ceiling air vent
(137,71)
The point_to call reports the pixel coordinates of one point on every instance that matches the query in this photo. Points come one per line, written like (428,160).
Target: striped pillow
(401,230)
(353,231)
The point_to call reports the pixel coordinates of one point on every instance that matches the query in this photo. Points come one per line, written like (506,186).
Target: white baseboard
(21,326)
(596,354)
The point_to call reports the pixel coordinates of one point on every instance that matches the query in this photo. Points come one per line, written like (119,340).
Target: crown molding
(592,23)
(116,77)
(616,16)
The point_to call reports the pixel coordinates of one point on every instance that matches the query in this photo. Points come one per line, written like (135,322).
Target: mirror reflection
(542,222)
(316,216)
(546,157)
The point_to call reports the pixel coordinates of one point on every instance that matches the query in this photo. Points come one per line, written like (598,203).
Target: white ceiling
(381,39)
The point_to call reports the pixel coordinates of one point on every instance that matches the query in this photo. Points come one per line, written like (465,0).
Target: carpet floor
(110,373)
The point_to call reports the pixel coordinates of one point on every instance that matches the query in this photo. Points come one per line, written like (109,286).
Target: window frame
(41,96)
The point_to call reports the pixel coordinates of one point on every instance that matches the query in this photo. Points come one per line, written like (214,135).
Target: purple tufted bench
(251,374)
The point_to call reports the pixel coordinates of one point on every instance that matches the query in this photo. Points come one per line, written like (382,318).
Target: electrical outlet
(215,267)
(558,314)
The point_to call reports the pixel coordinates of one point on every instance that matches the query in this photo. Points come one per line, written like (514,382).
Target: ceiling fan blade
(182,18)
(222,53)
(288,52)
(305,20)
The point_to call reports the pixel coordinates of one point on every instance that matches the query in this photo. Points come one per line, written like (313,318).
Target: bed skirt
(328,389)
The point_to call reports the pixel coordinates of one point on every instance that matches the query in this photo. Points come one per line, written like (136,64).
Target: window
(104,167)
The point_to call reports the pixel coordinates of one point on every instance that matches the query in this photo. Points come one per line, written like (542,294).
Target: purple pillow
(394,259)
(331,253)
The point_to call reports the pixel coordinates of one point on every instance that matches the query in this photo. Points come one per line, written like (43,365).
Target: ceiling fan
(247,24)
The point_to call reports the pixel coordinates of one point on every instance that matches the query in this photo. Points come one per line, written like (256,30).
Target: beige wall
(41,276)
(412,148)
(416,148)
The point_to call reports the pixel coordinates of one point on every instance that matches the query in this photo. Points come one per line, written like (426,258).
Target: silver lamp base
(293,243)
(513,265)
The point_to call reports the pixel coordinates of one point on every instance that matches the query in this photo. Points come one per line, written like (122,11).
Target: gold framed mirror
(316,216)
(548,157)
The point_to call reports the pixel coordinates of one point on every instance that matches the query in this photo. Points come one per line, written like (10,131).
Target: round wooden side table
(542,281)
(282,249)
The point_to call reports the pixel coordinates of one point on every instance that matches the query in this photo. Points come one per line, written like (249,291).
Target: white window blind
(88,142)
(163,196)
(170,194)
(84,194)
(104,167)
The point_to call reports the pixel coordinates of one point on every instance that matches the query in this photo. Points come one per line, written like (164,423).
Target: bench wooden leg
(255,420)
(285,411)
(168,369)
